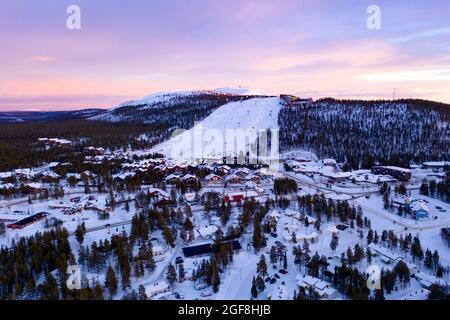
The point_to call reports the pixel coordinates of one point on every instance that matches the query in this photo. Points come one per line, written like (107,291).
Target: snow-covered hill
(240,90)
(205,99)
(208,139)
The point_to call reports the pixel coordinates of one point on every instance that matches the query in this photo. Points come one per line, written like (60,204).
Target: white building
(384,254)
(207,232)
(323,288)
(156,288)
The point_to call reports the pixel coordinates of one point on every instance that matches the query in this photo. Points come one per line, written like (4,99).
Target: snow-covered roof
(397,168)
(188,176)
(427,280)
(301,236)
(307,280)
(419,205)
(156,287)
(437,163)
(207,231)
(211,176)
(385,252)
(157,249)
(172,176)
(34,185)
(5,175)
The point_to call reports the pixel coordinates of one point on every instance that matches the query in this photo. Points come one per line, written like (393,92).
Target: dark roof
(197,250)
(30,219)
(208,248)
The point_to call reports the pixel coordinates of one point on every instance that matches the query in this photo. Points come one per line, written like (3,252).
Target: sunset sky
(129,49)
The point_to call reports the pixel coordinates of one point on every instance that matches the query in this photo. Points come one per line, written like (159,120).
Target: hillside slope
(361,133)
(235,117)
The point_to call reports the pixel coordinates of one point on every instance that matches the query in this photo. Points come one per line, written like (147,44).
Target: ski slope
(229,130)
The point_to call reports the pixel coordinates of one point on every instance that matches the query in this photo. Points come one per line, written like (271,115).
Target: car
(267,279)
(276,276)
(283,271)
(274,235)
(273,280)
(178,295)
(206,293)
(200,287)
(439,208)
(442,210)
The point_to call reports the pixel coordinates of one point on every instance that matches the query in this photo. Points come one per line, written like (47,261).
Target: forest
(362,133)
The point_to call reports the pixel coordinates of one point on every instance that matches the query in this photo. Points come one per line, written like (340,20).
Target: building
(28,221)
(254,178)
(206,248)
(94,151)
(157,250)
(223,170)
(418,209)
(436,165)
(323,288)
(398,173)
(156,288)
(198,250)
(213,179)
(207,232)
(294,101)
(235,179)
(384,254)
(55,142)
(172,179)
(189,178)
(300,237)
(426,280)
(33,187)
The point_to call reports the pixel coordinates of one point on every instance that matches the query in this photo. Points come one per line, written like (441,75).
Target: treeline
(439,190)
(18,147)
(178,111)
(361,133)
(30,259)
(283,186)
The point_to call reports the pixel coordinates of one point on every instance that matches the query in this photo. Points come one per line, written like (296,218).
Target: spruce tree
(254,289)
(171,274)
(111,282)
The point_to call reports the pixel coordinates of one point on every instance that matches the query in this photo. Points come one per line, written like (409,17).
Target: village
(390,199)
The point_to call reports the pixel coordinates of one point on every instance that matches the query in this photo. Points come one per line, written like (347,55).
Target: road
(117,224)
(410,224)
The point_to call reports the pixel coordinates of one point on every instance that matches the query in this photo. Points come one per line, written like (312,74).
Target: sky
(130,49)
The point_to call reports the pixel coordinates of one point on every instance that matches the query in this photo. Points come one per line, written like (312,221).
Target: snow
(208,139)
(160,97)
(242,90)
(207,231)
